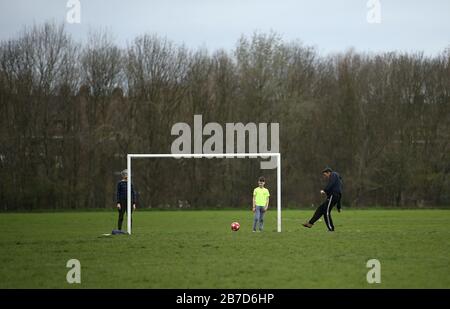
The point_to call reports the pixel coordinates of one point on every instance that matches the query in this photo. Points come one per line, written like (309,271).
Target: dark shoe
(307,224)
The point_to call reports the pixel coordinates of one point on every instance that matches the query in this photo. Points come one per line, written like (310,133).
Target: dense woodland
(70,112)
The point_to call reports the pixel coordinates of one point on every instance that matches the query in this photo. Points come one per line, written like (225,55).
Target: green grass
(196,249)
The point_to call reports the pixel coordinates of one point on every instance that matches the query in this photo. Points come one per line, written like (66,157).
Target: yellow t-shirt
(261,195)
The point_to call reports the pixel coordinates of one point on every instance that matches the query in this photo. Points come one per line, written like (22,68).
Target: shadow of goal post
(277,155)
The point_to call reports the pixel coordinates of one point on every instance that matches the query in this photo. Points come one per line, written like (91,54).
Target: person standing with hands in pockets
(122,198)
(260,204)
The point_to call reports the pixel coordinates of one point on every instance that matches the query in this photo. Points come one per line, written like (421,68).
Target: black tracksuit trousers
(122,211)
(325,210)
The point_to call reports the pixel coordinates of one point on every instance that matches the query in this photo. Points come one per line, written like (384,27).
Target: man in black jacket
(333,191)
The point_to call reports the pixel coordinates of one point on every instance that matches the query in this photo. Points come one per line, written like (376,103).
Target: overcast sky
(330,25)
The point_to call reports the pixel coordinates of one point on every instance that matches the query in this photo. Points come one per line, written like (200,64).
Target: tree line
(70,112)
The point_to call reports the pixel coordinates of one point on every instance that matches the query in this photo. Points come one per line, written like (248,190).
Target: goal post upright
(129,194)
(278,192)
(277,155)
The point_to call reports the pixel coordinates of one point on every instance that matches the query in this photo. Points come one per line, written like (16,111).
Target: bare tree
(69,114)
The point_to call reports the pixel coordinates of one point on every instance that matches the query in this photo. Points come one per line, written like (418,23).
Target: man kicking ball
(333,191)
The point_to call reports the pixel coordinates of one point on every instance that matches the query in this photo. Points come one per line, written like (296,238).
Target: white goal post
(277,155)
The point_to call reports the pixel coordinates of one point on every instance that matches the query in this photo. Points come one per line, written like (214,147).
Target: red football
(235,226)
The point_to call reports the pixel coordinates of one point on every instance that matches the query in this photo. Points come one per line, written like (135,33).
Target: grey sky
(406,25)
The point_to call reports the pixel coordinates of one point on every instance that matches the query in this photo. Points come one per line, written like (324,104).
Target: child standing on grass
(122,198)
(260,203)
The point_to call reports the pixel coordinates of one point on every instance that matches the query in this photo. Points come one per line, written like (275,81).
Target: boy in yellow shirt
(260,203)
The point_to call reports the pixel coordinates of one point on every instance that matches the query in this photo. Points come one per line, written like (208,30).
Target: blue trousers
(259,218)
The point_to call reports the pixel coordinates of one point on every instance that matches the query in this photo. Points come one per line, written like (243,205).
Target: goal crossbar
(277,155)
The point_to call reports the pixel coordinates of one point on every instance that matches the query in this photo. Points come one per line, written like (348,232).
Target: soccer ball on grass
(235,226)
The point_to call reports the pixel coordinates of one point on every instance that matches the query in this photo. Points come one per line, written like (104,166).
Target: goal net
(133,171)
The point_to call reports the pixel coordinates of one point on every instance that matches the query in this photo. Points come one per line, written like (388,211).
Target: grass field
(196,249)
